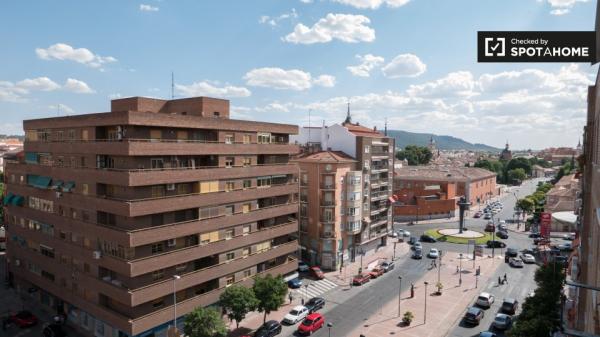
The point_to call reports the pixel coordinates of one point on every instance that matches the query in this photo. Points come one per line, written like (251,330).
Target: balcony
(327,203)
(327,235)
(327,186)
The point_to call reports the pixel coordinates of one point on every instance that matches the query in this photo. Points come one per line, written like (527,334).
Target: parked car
(502,322)
(485,300)
(487,334)
(512,252)
(53,330)
(23,319)
(417,245)
(502,235)
(387,265)
(312,323)
(477,215)
(417,254)
(268,329)
(427,238)
(565,246)
(412,240)
(527,258)
(495,244)
(515,262)
(474,315)
(376,272)
(361,279)
(315,304)
(403,233)
(487,216)
(295,283)
(433,253)
(393,234)
(295,315)
(570,236)
(302,266)
(502,227)
(509,306)
(317,273)
(540,241)
(490,227)
(534,235)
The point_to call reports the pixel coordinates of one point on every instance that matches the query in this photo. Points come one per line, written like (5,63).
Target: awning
(32,179)
(18,200)
(8,198)
(68,186)
(56,184)
(31,157)
(279,176)
(42,182)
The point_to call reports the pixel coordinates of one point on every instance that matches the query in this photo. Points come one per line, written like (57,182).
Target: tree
(238,301)
(519,163)
(526,204)
(204,322)
(484,164)
(516,175)
(270,292)
(415,155)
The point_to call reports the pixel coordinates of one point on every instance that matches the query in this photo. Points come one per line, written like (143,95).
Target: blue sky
(410,61)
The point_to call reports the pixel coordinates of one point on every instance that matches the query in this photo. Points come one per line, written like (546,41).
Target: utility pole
(440,267)
(425,313)
(399,295)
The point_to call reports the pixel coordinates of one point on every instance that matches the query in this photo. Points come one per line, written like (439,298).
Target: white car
(485,300)
(404,233)
(296,315)
(433,253)
(393,235)
(528,258)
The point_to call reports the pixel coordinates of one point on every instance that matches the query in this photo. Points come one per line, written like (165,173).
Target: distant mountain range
(404,138)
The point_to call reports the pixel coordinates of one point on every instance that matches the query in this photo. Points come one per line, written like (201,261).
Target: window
(85,189)
(246,252)
(229,186)
(157,163)
(328,214)
(246,229)
(157,248)
(264,138)
(209,237)
(48,275)
(209,212)
(180,267)
(84,135)
(171,242)
(216,114)
(246,139)
(209,186)
(158,274)
(158,303)
(263,181)
(247,161)
(247,183)
(229,234)
(47,251)
(229,280)
(247,273)
(367,148)
(182,135)
(230,256)
(261,247)
(246,208)
(229,161)
(155,134)
(183,189)
(229,139)
(229,210)
(158,191)
(71,134)
(304,179)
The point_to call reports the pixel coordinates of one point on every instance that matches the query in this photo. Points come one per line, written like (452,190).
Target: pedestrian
(412,290)
(434,263)
(499,281)
(457,271)
(290,297)
(505,279)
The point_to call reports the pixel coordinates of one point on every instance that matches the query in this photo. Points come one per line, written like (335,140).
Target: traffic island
(452,235)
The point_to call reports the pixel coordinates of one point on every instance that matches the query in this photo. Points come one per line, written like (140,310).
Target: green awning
(8,198)
(42,182)
(18,200)
(32,179)
(56,184)
(68,186)
(31,157)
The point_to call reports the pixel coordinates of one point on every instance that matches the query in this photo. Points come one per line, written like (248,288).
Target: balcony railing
(328,186)
(151,140)
(327,203)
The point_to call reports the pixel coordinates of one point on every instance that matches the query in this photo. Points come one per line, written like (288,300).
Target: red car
(361,279)
(376,272)
(317,273)
(24,319)
(311,323)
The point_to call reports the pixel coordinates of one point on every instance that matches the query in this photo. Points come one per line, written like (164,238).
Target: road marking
(316,288)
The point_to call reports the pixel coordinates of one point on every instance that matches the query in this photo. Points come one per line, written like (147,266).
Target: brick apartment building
(104,210)
(373,153)
(429,192)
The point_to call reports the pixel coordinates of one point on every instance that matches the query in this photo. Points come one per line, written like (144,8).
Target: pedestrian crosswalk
(314,289)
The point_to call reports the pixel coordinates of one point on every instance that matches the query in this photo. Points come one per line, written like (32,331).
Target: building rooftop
(326,157)
(441,173)
(359,130)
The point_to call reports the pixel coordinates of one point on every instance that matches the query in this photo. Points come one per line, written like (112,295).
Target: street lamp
(440,266)
(425,313)
(460,256)
(175,278)
(399,294)
(329,325)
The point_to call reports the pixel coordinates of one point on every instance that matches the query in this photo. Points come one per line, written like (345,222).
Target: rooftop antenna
(348,118)
(308,142)
(172,85)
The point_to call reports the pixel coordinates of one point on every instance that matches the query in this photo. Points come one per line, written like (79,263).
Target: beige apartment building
(109,214)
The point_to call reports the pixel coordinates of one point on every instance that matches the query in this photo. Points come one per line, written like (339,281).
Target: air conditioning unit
(171,243)
(170,187)
(96,254)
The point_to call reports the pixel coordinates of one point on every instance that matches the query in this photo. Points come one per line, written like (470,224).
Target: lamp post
(460,256)
(394,256)
(439,267)
(305,292)
(329,325)
(399,295)
(425,311)
(175,278)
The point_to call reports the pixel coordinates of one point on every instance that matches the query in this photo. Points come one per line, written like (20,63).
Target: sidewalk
(443,312)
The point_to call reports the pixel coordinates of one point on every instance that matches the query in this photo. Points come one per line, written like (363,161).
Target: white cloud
(344,27)
(373,4)
(456,84)
(64,52)
(282,79)
(39,83)
(274,21)
(306,1)
(77,86)
(207,89)
(148,8)
(561,7)
(368,62)
(404,65)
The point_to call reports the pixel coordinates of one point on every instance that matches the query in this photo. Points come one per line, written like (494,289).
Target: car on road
(534,235)
(417,254)
(23,319)
(403,233)
(303,266)
(427,238)
(490,227)
(515,262)
(502,234)
(487,334)
(540,241)
(311,323)
(376,272)
(477,215)
(387,265)
(528,258)
(487,216)
(570,236)
(512,252)
(502,227)
(565,246)
(417,245)
(502,322)
(412,240)
(269,329)
(295,315)
(495,244)
(485,300)
(509,306)
(434,253)
(295,283)
(317,273)
(361,279)
(393,235)
(315,304)
(474,315)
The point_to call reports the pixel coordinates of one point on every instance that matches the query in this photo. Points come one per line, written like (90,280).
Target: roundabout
(452,235)
(469,234)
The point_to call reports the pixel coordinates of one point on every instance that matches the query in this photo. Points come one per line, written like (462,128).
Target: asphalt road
(347,309)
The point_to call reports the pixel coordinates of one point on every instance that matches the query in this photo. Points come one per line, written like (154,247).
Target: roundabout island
(453,235)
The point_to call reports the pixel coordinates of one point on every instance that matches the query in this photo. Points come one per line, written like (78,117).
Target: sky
(412,62)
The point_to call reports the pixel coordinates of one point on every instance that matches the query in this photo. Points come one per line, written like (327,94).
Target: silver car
(502,321)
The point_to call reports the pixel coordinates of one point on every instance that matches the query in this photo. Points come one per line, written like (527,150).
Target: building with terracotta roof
(562,196)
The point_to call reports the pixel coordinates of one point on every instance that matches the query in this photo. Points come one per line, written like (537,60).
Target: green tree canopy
(516,175)
(526,204)
(204,322)
(485,164)
(270,292)
(519,163)
(238,301)
(415,155)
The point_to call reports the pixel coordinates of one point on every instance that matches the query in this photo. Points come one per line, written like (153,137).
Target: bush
(408,317)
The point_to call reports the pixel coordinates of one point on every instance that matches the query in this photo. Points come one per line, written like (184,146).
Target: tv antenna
(172,85)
